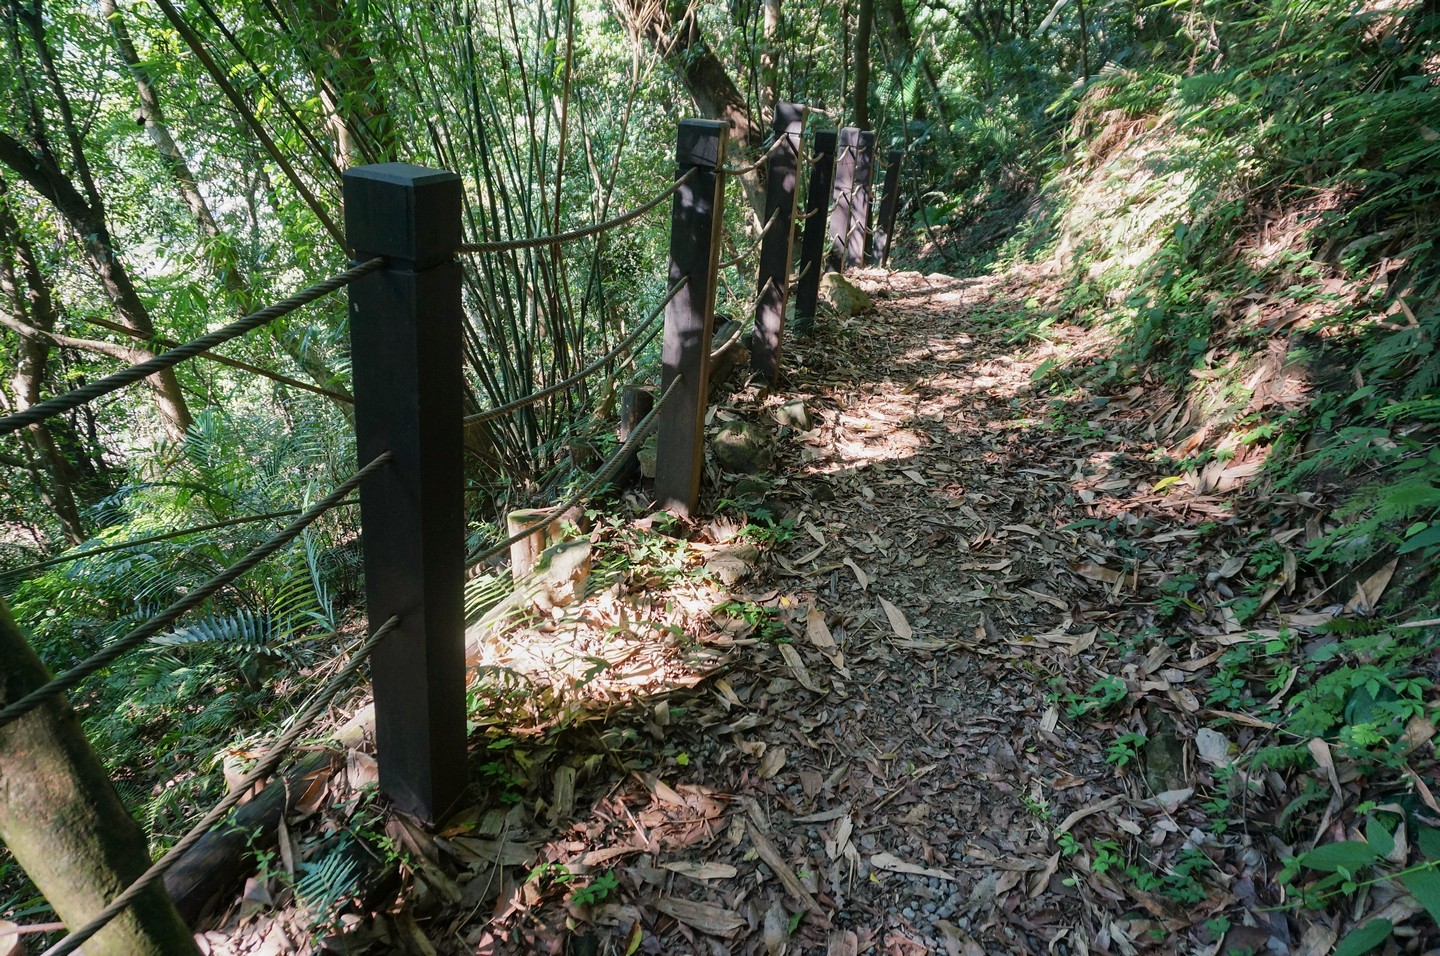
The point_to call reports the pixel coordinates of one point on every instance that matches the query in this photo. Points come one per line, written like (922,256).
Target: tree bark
(770,58)
(30,305)
(675,35)
(61,817)
(224,262)
(862,64)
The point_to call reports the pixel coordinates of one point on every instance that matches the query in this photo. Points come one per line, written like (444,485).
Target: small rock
(843,296)
(731,563)
(794,414)
(742,447)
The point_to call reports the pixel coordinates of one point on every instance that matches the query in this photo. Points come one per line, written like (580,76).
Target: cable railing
(118,647)
(60,404)
(263,769)
(602,477)
(402,223)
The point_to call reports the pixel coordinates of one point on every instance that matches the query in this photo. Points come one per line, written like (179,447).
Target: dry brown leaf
(701,871)
(772,763)
(782,870)
(898,624)
(1040,882)
(706,917)
(891,862)
(11,942)
(1084,812)
(860,576)
(817,630)
(798,668)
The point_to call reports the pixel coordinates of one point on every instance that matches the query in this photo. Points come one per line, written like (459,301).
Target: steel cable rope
(512,245)
(171,614)
(623,346)
(128,376)
(169,343)
(755,164)
(754,246)
(263,769)
(152,539)
(600,479)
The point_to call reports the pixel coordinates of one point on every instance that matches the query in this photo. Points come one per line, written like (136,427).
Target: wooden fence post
(889,203)
(405,335)
(858,237)
(773,282)
(812,242)
(696,216)
(842,210)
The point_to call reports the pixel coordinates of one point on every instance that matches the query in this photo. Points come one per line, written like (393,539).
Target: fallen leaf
(706,917)
(860,576)
(1084,812)
(797,666)
(772,762)
(701,871)
(817,630)
(898,624)
(888,861)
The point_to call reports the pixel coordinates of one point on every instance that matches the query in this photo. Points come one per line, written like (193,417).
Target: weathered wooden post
(859,235)
(636,402)
(773,282)
(696,215)
(812,241)
(889,203)
(405,349)
(843,191)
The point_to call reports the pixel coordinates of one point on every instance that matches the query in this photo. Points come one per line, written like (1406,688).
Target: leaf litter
(961,711)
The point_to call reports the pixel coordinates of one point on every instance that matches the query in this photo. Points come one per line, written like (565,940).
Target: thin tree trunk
(224,262)
(770,58)
(63,820)
(675,35)
(30,304)
(862,64)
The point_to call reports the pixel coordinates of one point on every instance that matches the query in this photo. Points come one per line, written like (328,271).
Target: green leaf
(1364,939)
(1350,854)
(1381,840)
(1424,885)
(1430,536)
(1428,839)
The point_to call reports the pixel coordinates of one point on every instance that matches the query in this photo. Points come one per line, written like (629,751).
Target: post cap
(407,213)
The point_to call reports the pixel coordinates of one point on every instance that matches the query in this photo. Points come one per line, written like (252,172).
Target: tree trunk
(81,207)
(61,817)
(770,59)
(30,304)
(862,64)
(224,262)
(904,39)
(675,35)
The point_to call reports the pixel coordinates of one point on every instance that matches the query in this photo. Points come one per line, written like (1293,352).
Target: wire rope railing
(602,477)
(81,553)
(262,770)
(583,232)
(645,330)
(120,646)
(88,393)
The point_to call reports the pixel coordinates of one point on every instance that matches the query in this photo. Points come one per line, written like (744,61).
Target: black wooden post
(812,241)
(696,216)
(405,349)
(889,203)
(772,285)
(842,210)
(859,235)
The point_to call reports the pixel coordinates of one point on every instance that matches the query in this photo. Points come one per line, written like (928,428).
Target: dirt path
(882,763)
(867,745)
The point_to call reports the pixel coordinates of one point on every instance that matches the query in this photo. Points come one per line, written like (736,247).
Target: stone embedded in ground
(794,414)
(843,296)
(751,489)
(742,447)
(732,563)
